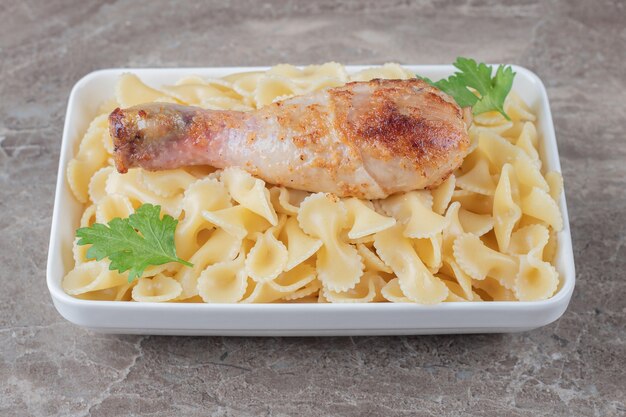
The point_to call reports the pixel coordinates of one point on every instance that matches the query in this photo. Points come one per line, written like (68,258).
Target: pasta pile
(487,233)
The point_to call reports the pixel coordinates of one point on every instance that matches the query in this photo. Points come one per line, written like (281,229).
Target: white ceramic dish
(287,319)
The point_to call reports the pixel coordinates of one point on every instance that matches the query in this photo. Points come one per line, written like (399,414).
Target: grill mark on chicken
(363,139)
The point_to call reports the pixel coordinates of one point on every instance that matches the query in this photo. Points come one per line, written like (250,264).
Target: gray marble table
(574,366)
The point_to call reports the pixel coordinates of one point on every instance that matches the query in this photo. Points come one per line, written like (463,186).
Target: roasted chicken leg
(364,139)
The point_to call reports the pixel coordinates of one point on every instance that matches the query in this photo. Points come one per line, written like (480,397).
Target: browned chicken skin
(364,139)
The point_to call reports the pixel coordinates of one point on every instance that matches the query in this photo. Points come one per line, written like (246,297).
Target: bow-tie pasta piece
(205,194)
(131,185)
(79,252)
(478,179)
(517,109)
(250,193)
(191,300)
(311,73)
(92,276)
(413,210)
(497,129)
(278,229)
(472,158)
(529,221)
(491,122)
(294,279)
(222,84)
(90,158)
(473,133)
(199,92)
(271,88)
(238,221)
(245,84)
(529,239)
(287,201)
(98,182)
(379,284)
(415,280)
(300,246)
(555,184)
(118,293)
(107,142)
(491,118)
(498,150)
(453,224)
(513,133)
(310,299)
(312,77)
(528,142)
(455,292)
(388,71)
(223,282)
(491,289)
(339,265)
(477,224)
(506,209)
(167,183)
(320,84)
(364,219)
(479,262)
(167,269)
(260,292)
(429,251)
(452,269)
(363,240)
(392,292)
(130,91)
(321,298)
(267,258)
(308,290)
(221,246)
(157,289)
(112,206)
(549,251)
(442,195)
(452,296)
(89,216)
(474,202)
(363,292)
(537,280)
(372,262)
(528,176)
(540,205)
(225,103)
(452,229)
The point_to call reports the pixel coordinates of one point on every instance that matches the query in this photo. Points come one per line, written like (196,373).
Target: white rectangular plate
(287,319)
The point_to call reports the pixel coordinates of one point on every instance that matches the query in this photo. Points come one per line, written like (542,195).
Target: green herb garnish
(141,240)
(492,90)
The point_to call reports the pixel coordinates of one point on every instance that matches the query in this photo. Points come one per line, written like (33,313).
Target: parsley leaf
(141,240)
(491,91)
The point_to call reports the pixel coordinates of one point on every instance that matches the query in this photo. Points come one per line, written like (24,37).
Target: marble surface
(574,366)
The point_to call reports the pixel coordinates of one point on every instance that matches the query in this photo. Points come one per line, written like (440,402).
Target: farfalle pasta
(267,258)
(156,289)
(486,233)
(339,265)
(415,280)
